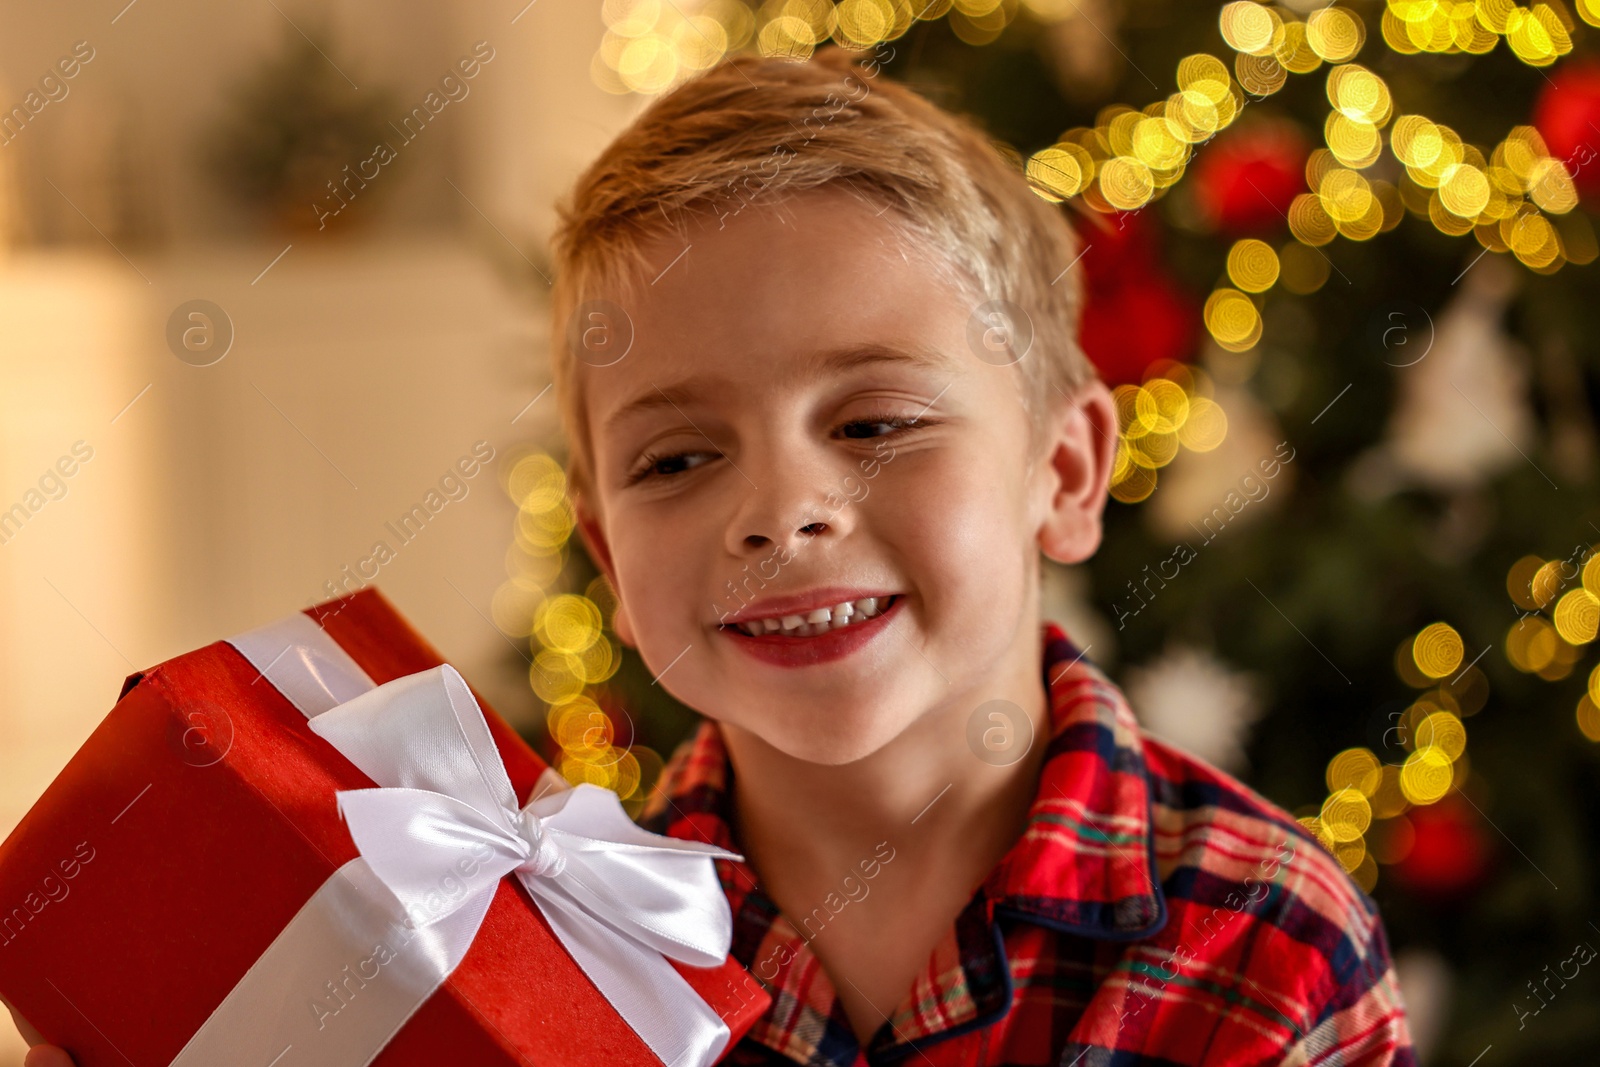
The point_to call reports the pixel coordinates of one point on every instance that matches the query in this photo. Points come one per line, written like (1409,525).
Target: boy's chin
(835,745)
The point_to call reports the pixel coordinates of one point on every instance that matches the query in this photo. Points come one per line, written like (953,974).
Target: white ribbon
(384,932)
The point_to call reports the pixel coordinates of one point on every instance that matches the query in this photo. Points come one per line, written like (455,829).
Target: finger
(29,1034)
(46,1056)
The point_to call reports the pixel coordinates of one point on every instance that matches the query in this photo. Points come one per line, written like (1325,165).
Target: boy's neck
(803,826)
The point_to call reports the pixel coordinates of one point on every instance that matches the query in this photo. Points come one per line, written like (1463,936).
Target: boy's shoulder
(1229,910)
(1130,832)
(1139,843)
(1244,881)
(1204,819)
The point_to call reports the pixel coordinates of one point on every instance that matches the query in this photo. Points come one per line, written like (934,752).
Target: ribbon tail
(670,902)
(649,994)
(338,982)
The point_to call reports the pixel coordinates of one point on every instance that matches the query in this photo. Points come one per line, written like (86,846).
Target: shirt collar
(1085,863)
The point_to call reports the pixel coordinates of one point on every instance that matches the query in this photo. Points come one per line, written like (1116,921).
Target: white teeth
(818,620)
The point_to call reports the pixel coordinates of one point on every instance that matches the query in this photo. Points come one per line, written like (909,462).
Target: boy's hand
(40,1055)
(46,1056)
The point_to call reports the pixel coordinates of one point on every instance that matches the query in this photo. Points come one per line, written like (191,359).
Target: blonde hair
(756,131)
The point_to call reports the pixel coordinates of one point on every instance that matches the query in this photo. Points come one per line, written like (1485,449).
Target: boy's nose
(761,540)
(796,495)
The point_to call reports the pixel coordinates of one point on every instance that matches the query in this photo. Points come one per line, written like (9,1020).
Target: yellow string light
(1252,265)
(649,46)
(1232,319)
(1171,410)
(1577,616)
(566,631)
(1437,650)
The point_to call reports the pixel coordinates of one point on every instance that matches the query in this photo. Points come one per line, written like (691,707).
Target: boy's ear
(594,541)
(1080,449)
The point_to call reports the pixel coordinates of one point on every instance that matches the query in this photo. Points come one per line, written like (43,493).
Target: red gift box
(195,822)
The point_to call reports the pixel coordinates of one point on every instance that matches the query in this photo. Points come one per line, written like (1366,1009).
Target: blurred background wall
(365,359)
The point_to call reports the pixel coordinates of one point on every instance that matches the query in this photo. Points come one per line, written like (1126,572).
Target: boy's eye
(891,421)
(666,466)
(651,466)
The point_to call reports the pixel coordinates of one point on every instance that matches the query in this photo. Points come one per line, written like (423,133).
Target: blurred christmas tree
(1337,259)
(294,134)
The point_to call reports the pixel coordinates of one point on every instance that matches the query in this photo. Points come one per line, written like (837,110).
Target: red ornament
(1450,853)
(1133,313)
(1246,178)
(1567,116)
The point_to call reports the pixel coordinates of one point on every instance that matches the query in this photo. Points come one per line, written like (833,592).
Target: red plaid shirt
(1154,911)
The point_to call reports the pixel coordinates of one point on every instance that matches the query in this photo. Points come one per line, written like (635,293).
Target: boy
(815,350)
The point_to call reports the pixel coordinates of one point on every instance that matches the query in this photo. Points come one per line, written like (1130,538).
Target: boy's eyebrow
(842,358)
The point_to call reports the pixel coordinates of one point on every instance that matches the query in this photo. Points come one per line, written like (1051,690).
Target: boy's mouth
(847,614)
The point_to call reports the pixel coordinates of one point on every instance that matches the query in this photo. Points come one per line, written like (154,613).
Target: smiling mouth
(843,616)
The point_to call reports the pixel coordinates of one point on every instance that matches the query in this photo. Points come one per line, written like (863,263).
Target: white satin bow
(443,828)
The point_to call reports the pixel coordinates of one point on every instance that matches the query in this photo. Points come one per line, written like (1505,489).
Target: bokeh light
(572,656)
(1171,410)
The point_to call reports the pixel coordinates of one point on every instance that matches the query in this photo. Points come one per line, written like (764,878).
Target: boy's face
(778,470)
